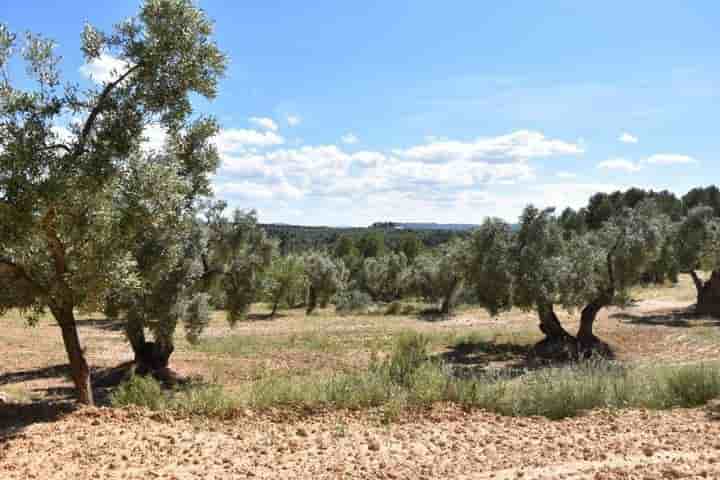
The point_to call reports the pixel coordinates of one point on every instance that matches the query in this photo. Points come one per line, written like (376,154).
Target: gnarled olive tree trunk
(151,358)
(708,293)
(588,343)
(558,344)
(79,368)
(312,300)
(450,297)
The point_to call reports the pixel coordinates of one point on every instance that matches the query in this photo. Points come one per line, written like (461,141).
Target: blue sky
(347,113)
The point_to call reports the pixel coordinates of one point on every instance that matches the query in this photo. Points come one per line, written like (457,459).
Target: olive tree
(159,201)
(325,276)
(236,260)
(383,277)
(285,281)
(698,249)
(61,243)
(585,272)
(439,276)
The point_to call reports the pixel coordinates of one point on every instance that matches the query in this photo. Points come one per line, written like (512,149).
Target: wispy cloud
(104,69)
(627,138)
(293,120)
(669,159)
(620,164)
(350,138)
(264,122)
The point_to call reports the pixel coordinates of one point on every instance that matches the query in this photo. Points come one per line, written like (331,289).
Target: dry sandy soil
(40,437)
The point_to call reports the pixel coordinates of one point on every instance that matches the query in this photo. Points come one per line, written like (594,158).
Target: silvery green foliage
(197,312)
(629,242)
(490,265)
(538,258)
(698,240)
(285,282)
(157,202)
(63,243)
(238,256)
(352,301)
(439,275)
(384,277)
(326,277)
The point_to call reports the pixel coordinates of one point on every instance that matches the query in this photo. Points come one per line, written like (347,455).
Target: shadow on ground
(433,315)
(482,358)
(15,417)
(102,324)
(264,317)
(683,318)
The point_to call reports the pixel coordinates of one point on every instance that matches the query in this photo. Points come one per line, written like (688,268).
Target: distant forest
(396,235)
(298,238)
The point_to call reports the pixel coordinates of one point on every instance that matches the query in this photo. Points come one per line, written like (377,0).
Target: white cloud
(410,183)
(264,122)
(238,139)
(293,120)
(627,138)
(155,136)
(519,145)
(104,69)
(567,175)
(620,164)
(349,138)
(669,159)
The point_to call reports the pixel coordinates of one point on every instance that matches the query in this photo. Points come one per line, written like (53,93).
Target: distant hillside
(460,227)
(298,238)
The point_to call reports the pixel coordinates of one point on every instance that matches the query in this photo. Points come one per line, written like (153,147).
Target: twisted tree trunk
(312,300)
(151,358)
(79,369)
(558,344)
(588,343)
(449,299)
(708,294)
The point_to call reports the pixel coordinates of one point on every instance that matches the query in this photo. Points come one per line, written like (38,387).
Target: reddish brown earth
(43,440)
(442,443)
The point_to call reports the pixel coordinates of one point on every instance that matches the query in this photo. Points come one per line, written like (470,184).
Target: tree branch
(697,280)
(57,145)
(90,122)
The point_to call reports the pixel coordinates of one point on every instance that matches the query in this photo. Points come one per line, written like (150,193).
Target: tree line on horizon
(90,221)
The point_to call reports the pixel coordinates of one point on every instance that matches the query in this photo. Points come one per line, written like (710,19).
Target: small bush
(192,399)
(141,391)
(395,308)
(409,354)
(353,301)
(693,385)
(202,399)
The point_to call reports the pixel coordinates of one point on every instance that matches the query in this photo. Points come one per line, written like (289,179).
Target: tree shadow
(106,324)
(683,318)
(264,317)
(433,315)
(14,417)
(54,371)
(488,359)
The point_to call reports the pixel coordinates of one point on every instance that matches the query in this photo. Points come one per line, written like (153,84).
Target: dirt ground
(40,437)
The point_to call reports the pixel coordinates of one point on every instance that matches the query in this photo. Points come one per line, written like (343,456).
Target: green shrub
(693,385)
(192,399)
(353,301)
(395,308)
(141,391)
(202,399)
